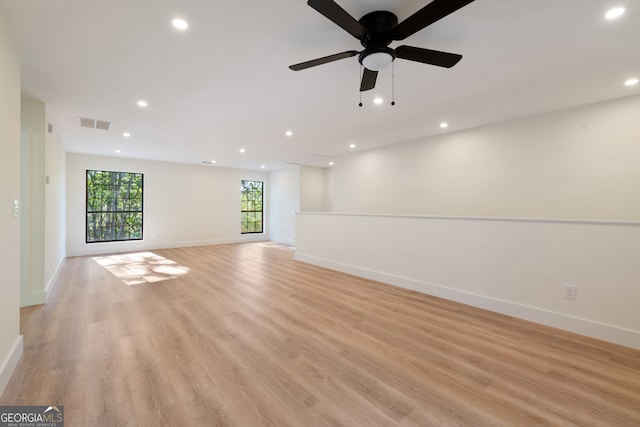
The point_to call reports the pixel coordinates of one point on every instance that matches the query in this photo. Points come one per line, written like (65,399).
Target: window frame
(88,212)
(247,211)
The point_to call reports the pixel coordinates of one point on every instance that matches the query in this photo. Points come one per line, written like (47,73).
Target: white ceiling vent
(94,123)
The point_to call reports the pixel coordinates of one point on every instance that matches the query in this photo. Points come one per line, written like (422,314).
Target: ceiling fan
(376,30)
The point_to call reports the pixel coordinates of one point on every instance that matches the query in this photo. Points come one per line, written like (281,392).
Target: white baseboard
(136,246)
(41,297)
(54,278)
(614,334)
(284,240)
(33,298)
(10,362)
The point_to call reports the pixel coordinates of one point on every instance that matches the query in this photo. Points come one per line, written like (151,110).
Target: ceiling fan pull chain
(360,77)
(393,83)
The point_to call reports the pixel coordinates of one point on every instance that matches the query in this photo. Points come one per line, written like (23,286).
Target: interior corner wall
(284,202)
(580,163)
(313,189)
(328,189)
(10,338)
(32,179)
(184,205)
(55,209)
(297,189)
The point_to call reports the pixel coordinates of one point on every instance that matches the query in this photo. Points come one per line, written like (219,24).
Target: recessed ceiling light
(330,163)
(378,101)
(126,134)
(180,23)
(444,125)
(288,133)
(142,103)
(352,146)
(209,162)
(631,82)
(118,151)
(263,166)
(242,150)
(614,13)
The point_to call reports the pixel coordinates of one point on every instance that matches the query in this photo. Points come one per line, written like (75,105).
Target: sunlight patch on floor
(141,267)
(276,245)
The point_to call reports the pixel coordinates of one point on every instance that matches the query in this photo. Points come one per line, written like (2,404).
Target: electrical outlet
(570,291)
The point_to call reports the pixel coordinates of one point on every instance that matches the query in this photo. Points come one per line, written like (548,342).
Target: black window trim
(253,211)
(87,212)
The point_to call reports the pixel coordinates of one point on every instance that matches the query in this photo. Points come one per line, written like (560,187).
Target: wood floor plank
(243,335)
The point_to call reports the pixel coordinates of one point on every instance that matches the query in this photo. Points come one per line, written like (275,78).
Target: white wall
(184,205)
(32,178)
(312,189)
(284,202)
(55,225)
(578,163)
(43,225)
(10,338)
(328,190)
(515,267)
(295,189)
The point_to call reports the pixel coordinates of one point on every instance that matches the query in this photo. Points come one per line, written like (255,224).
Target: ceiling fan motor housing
(380,25)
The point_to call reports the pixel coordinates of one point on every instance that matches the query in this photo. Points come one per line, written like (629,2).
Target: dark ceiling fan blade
(323,60)
(426,16)
(368,80)
(428,56)
(339,16)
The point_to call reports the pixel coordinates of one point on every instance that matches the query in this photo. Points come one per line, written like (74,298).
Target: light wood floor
(250,337)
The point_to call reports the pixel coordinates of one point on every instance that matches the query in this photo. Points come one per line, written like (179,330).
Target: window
(251,211)
(114,206)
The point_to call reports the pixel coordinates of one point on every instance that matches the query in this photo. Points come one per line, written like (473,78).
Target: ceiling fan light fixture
(378,59)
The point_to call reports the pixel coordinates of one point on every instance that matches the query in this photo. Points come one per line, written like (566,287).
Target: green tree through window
(114,206)
(251,207)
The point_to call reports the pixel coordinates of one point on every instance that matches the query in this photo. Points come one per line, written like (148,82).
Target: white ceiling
(224,84)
